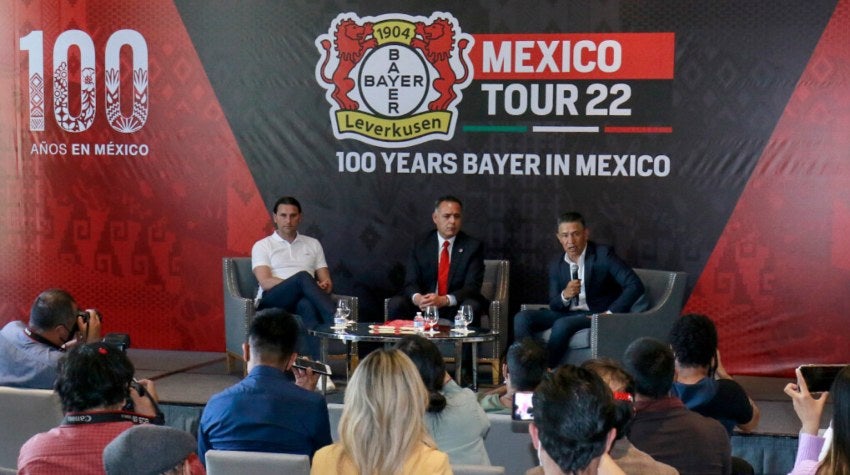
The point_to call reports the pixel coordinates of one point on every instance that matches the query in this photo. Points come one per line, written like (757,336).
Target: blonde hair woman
(382,430)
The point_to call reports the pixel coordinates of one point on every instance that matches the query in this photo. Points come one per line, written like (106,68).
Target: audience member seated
(96,388)
(382,429)
(701,381)
(453,417)
(663,427)
(524,367)
(809,409)
(266,411)
(625,455)
(153,450)
(30,353)
(704,385)
(573,426)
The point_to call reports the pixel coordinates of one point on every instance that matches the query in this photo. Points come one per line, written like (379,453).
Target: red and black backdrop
(142,141)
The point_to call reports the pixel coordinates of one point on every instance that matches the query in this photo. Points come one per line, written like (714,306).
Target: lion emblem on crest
(394,80)
(352,41)
(436,40)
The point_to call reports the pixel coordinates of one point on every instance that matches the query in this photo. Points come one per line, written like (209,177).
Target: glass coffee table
(358,332)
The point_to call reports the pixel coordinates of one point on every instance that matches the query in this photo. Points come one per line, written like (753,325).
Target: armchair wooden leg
(352,365)
(496,373)
(352,360)
(228,358)
(495,368)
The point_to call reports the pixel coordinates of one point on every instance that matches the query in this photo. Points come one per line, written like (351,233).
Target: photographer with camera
(29,353)
(100,400)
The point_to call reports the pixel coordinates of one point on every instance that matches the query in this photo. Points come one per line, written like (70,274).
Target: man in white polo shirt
(292,271)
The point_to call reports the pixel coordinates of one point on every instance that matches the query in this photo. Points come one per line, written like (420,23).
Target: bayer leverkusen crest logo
(394,80)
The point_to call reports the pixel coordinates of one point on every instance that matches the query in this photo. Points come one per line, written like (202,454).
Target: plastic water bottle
(460,323)
(339,320)
(419,323)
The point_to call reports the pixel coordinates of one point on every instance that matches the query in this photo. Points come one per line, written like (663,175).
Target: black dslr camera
(118,340)
(85,316)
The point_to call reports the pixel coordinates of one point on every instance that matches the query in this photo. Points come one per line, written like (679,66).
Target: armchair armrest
(611,334)
(238,309)
(533,306)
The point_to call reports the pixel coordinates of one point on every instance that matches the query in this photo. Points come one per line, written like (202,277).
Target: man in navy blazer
(466,268)
(588,278)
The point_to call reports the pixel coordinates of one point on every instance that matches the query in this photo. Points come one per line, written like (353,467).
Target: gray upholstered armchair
(240,288)
(610,334)
(24,413)
(224,462)
(495,289)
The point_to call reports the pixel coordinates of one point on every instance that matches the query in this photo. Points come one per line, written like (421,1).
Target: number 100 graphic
(33,43)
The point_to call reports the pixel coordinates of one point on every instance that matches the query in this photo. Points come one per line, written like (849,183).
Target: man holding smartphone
(30,353)
(266,411)
(524,367)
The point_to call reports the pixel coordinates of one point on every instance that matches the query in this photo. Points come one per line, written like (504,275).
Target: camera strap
(36,337)
(78,418)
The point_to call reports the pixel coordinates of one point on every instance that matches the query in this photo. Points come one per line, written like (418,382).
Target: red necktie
(443,271)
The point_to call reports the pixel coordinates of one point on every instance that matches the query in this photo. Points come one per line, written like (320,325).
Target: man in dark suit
(586,279)
(462,273)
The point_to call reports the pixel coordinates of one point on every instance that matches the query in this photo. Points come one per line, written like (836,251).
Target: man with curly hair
(704,385)
(100,400)
(701,381)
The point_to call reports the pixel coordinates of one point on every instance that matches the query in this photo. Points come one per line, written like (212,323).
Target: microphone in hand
(574,276)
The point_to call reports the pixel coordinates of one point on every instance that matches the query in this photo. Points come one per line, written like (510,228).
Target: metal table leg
(458,361)
(474,367)
(323,352)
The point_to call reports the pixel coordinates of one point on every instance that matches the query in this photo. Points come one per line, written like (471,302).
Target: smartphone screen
(522,406)
(316,366)
(819,378)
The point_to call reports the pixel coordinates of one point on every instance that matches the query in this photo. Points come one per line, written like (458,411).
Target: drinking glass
(466,312)
(343,310)
(431,318)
